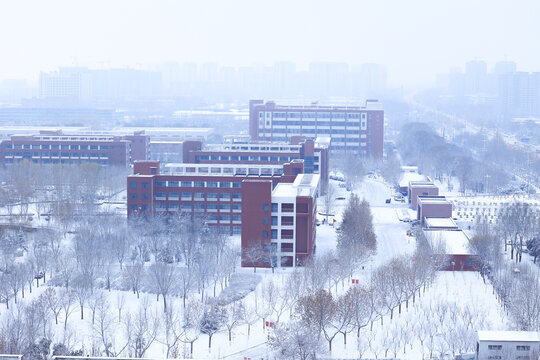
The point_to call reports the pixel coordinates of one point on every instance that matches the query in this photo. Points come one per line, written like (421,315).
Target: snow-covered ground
(455,291)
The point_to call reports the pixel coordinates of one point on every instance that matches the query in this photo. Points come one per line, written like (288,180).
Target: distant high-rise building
(504,67)
(519,94)
(476,77)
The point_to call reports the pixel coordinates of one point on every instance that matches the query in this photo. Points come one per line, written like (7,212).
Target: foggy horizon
(415,41)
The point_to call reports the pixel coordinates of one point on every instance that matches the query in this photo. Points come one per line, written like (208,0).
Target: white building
(508,345)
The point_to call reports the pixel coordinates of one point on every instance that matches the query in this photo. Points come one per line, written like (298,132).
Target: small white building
(508,345)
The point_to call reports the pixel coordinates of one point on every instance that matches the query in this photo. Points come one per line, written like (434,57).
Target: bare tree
(133,275)
(163,277)
(53,302)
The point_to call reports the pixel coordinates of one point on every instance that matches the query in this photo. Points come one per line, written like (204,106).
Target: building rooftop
(369,104)
(222,169)
(517,336)
(440,223)
(407,177)
(303,185)
(453,242)
(433,200)
(422,184)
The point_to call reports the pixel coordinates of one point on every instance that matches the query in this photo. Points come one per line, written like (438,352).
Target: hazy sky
(415,38)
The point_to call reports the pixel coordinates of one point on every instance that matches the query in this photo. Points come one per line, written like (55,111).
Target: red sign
(355,281)
(269,324)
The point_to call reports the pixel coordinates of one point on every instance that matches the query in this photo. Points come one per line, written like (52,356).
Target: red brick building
(235,199)
(452,247)
(54,147)
(314,153)
(359,129)
(433,207)
(420,188)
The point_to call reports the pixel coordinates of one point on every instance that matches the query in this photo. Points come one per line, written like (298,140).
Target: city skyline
(415,41)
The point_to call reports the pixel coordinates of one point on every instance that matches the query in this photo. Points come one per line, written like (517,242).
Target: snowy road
(392,240)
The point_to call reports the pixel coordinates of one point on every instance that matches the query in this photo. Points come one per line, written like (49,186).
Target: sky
(415,39)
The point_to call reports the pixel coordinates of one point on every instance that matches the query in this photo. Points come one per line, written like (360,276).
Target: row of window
(315,115)
(54,161)
(518,347)
(315,131)
(244,158)
(58,147)
(200,184)
(55,154)
(286,234)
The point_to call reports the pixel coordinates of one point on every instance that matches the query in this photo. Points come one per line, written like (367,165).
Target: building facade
(358,129)
(420,188)
(507,345)
(433,207)
(313,153)
(54,147)
(242,199)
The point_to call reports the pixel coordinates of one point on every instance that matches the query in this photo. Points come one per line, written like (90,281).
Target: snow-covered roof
(407,177)
(440,223)
(454,242)
(517,336)
(433,200)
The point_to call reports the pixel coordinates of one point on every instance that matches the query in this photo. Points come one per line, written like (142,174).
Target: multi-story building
(357,129)
(54,147)
(313,153)
(266,204)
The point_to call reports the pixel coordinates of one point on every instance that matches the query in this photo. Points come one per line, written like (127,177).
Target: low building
(507,345)
(420,188)
(56,148)
(409,174)
(452,250)
(433,207)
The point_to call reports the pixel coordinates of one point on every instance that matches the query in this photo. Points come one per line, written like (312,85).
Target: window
(237,196)
(145,185)
(274,234)
(133,207)
(224,207)
(187,183)
(211,184)
(161,183)
(236,230)
(265,234)
(224,218)
(265,221)
(185,195)
(237,217)
(133,196)
(211,206)
(186,207)
(236,185)
(132,184)
(173,196)
(274,207)
(212,196)
(274,220)
(523,348)
(491,347)
(199,184)
(145,196)
(265,207)
(172,183)
(198,207)
(224,197)
(160,195)
(224,184)
(199,196)
(237,207)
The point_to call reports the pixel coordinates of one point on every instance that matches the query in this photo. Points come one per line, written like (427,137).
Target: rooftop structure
(452,247)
